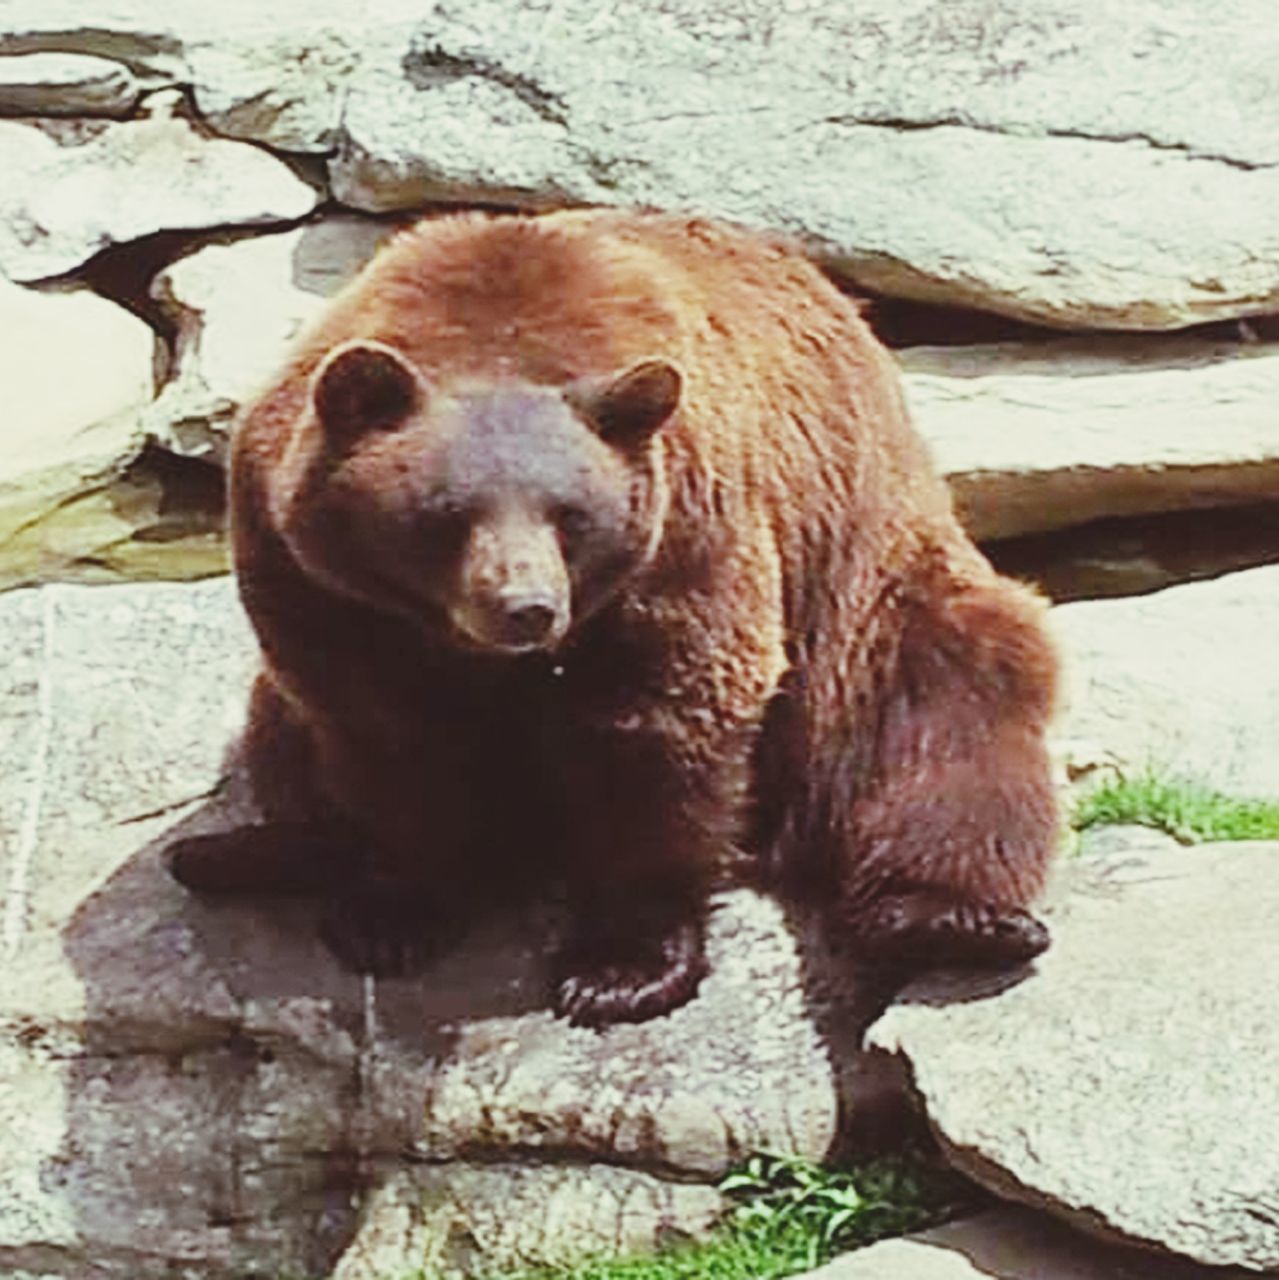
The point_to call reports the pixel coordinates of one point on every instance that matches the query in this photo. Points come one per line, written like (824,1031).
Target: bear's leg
(645,830)
(383,881)
(419,869)
(950,833)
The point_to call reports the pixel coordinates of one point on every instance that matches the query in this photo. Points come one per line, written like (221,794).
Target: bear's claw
(930,929)
(630,980)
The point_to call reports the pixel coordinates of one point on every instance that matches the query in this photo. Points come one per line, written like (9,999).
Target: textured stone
(63,201)
(77,372)
(236,307)
(1183,680)
(79,498)
(1013,1244)
(194,1087)
(1126,1082)
(896,137)
(65,84)
(466,1221)
(1037,437)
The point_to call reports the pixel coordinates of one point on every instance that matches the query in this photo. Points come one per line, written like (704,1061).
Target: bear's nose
(528,621)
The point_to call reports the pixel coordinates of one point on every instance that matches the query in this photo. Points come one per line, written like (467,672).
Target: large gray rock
(68,196)
(1013,1244)
(194,1088)
(1183,680)
(1038,437)
(896,138)
(1127,1083)
(1079,165)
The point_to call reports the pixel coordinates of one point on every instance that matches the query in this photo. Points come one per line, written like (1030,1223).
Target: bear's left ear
(363,386)
(631,407)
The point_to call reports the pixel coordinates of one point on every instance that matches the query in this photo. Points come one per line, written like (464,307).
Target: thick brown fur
(810,661)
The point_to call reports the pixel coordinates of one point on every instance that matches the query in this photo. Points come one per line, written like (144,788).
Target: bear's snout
(530,619)
(515,592)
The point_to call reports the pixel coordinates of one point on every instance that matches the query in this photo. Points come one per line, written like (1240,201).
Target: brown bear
(596,548)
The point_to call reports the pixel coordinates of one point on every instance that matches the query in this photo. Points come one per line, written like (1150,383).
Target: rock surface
(1127,1083)
(1013,1244)
(77,372)
(901,137)
(1035,437)
(1182,680)
(195,1085)
(65,84)
(67,197)
(896,138)
(236,308)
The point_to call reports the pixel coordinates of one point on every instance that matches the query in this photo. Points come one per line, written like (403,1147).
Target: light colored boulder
(77,501)
(236,307)
(77,372)
(194,1086)
(63,201)
(1013,1244)
(1183,680)
(896,141)
(1126,1081)
(65,84)
(1038,437)
(1085,166)
(275,74)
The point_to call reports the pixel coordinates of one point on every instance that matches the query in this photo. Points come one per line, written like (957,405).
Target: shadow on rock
(227,1109)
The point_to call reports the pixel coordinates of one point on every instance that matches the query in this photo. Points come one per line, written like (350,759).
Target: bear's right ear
(363,386)
(631,406)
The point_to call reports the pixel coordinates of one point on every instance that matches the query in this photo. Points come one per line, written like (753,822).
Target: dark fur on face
(496,516)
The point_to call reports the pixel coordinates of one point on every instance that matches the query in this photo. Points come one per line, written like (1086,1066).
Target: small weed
(788,1216)
(1188,811)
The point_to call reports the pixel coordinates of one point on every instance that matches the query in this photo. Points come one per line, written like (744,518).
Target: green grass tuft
(788,1216)
(1188,811)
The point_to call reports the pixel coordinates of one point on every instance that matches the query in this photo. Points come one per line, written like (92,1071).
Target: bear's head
(496,514)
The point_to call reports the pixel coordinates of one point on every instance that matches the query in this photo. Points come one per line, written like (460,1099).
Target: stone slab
(68,197)
(1182,680)
(1040,436)
(66,84)
(1013,1244)
(895,138)
(1125,1082)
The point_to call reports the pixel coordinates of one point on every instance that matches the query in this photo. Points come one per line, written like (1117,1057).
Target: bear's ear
(363,386)
(629,408)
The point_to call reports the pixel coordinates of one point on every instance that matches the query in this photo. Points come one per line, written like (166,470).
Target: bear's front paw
(385,932)
(928,928)
(600,980)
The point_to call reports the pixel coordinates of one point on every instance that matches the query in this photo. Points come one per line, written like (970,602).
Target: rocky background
(1065,215)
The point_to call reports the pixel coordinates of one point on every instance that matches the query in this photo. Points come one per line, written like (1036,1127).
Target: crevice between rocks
(902,125)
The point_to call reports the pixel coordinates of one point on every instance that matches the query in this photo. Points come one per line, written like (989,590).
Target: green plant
(1189,811)
(787,1216)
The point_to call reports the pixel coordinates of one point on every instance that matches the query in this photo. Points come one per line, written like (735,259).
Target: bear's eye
(573,522)
(444,525)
